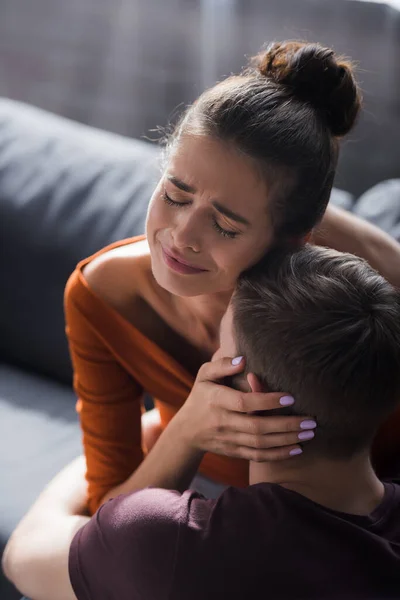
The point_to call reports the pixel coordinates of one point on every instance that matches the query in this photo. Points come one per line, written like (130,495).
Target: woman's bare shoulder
(119,274)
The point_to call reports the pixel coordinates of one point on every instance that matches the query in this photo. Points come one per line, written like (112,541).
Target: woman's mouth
(179,265)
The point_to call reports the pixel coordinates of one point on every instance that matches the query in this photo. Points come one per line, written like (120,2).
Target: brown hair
(286,112)
(325,327)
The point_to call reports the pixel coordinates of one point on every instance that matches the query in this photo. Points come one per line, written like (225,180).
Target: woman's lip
(177,265)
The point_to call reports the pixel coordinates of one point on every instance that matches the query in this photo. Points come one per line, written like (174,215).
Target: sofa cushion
(381,205)
(66,190)
(39,435)
(342,199)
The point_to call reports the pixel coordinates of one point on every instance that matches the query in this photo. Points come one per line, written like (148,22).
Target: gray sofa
(66,190)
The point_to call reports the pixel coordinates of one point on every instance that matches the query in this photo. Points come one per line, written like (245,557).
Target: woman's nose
(187,232)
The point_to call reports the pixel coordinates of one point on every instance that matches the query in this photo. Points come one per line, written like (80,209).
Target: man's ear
(254,383)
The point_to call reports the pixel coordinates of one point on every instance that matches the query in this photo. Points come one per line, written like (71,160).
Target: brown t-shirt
(261,542)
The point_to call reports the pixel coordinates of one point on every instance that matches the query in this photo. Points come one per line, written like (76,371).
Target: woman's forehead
(218,170)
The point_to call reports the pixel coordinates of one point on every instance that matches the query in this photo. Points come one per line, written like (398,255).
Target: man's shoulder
(152,518)
(131,543)
(160,540)
(155,513)
(150,506)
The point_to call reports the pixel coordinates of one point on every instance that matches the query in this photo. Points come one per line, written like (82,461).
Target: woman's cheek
(231,262)
(156,217)
(240,258)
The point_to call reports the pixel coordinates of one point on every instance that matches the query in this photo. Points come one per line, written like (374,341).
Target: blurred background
(126,65)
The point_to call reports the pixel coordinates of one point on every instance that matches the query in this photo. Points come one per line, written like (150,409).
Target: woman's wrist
(181,426)
(174,460)
(183,439)
(171,464)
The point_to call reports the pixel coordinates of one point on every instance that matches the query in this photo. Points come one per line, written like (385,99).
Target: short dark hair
(324,327)
(286,112)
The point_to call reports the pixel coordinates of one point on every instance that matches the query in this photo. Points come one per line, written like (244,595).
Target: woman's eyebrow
(229,213)
(185,187)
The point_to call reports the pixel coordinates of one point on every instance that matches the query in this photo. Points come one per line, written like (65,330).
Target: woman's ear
(254,383)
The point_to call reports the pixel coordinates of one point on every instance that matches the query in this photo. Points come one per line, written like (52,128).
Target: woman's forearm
(36,555)
(171,464)
(347,233)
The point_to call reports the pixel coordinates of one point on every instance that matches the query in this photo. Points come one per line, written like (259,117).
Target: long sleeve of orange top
(109,399)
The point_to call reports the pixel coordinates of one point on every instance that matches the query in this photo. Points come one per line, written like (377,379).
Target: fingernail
(236,361)
(306,435)
(286,400)
(308,425)
(295,451)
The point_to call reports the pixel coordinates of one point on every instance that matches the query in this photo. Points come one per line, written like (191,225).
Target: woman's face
(208,218)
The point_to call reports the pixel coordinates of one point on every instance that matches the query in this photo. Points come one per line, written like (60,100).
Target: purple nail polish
(236,361)
(306,435)
(286,401)
(295,451)
(308,425)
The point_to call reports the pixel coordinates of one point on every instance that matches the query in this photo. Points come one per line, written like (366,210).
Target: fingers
(248,402)
(219,369)
(263,425)
(234,400)
(262,455)
(265,442)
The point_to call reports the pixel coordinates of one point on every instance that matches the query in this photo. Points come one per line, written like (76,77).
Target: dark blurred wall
(117,64)
(125,65)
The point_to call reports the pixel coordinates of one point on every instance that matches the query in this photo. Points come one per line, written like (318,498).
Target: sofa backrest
(66,190)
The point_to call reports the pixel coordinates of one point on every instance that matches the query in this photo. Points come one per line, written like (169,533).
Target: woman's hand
(218,419)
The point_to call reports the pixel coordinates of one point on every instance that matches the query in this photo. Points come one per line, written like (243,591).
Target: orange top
(113,364)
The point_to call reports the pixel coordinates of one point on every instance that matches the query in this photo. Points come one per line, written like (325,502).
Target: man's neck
(348,486)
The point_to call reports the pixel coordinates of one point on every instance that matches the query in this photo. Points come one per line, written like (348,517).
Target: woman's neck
(203,315)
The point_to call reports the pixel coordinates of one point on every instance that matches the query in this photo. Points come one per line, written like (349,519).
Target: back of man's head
(324,327)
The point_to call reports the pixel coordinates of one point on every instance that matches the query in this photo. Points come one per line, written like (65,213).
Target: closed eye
(224,232)
(168,200)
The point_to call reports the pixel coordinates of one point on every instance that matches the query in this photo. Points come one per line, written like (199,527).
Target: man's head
(325,327)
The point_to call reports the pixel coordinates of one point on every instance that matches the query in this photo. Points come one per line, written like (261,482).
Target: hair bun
(317,76)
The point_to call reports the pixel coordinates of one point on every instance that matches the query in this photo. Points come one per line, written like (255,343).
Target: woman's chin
(178,284)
